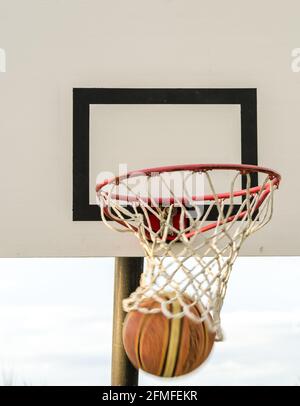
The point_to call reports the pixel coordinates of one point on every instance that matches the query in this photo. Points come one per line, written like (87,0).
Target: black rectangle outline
(84,97)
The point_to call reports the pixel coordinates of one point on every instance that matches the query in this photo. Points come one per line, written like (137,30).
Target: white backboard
(89,86)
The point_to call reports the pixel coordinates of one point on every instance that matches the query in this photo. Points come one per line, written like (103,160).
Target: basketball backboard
(96,95)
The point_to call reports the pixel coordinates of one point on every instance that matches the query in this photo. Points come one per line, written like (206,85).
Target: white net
(190,240)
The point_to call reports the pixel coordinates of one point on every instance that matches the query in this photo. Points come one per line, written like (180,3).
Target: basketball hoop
(190,240)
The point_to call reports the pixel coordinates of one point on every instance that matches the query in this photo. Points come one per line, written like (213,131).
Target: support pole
(127,277)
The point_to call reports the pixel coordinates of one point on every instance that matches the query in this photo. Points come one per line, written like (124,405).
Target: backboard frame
(84,97)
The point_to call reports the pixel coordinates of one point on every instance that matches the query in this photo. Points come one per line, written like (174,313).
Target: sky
(56,324)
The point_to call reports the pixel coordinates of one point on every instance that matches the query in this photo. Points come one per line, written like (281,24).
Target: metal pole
(127,277)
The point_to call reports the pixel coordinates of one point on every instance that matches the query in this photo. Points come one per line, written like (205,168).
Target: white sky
(56,321)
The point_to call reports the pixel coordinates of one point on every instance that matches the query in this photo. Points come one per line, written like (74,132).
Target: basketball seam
(174,338)
(204,335)
(179,349)
(165,352)
(139,341)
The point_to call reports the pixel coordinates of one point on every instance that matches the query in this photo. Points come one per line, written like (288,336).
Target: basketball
(166,347)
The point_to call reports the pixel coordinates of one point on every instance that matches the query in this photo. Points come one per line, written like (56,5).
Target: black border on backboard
(84,97)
